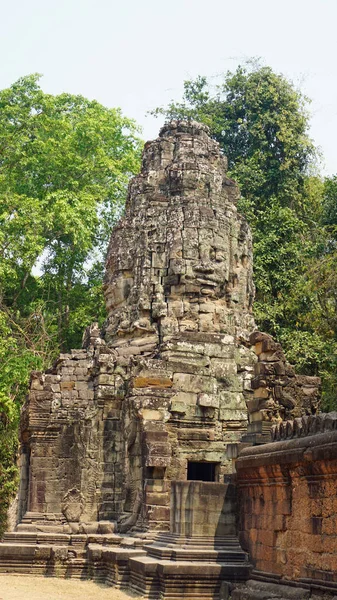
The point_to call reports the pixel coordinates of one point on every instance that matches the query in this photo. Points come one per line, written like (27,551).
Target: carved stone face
(180,255)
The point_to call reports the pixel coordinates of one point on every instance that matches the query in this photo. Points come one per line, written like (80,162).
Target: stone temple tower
(165,388)
(179,295)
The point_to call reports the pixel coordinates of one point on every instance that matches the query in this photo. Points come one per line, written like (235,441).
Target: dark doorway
(202,471)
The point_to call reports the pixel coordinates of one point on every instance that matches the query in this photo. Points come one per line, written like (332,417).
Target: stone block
(156,382)
(219,350)
(262,392)
(157,498)
(222,369)
(105,379)
(194,383)
(232,400)
(208,400)
(67,385)
(148,414)
(184,398)
(227,414)
(158,513)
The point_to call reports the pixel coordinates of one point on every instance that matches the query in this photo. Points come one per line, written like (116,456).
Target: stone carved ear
(73,505)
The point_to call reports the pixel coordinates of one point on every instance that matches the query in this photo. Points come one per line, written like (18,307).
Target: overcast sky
(136,53)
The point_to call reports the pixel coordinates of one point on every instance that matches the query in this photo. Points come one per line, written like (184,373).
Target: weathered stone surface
(279,393)
(201,508)
(288,506)
(168,384)
(178,352)
(258,590)
(179,295)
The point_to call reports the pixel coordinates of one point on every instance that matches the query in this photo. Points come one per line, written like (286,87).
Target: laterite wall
(288,502)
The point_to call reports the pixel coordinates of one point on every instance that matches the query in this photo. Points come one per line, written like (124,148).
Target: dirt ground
(25,587)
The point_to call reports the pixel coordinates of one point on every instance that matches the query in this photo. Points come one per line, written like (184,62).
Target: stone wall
(70,433)
(288,500)
(200,508)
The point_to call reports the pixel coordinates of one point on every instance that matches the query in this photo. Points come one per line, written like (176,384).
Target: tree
(64,169)
(65,162)
(321,287)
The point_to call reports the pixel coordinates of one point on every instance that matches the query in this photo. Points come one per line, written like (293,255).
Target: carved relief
(73,505)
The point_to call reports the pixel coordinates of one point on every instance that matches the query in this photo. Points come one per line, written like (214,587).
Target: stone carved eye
(212,254)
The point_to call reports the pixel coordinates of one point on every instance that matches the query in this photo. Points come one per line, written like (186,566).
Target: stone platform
(166,568)
(196,567)
(201,551)
(199,555)
(102,558)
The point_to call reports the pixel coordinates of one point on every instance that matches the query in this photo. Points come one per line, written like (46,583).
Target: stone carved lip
(204,268)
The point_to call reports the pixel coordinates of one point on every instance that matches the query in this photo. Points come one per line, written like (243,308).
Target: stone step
(42,527)
(197,541)
(171,580)
(258,590)
(197,554)
(38,537)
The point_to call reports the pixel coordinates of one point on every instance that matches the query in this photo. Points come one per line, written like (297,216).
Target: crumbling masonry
(174,381)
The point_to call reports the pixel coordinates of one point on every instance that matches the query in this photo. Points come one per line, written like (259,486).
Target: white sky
(136,53)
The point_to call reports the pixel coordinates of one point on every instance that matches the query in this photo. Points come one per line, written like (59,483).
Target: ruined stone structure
(164,393)
(164,388)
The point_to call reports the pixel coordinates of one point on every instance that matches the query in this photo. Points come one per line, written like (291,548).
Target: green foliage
(17,360)
(8,470)
(329,214)
(64,168)
(277,251)
(261,123)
